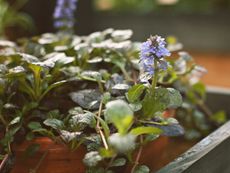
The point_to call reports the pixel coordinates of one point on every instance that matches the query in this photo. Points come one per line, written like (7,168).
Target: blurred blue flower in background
(64,19)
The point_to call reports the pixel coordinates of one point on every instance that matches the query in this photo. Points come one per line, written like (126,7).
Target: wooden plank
(200,156)
(218,98)
(216,161)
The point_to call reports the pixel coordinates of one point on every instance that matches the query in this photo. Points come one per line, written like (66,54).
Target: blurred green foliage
(146,6)
(10,16)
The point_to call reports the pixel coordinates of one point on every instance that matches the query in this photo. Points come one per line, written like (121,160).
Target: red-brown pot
(60,159)
(151,154)
(57,158)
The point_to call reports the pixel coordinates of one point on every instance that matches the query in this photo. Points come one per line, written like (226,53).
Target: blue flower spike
(153,51)
(64,18)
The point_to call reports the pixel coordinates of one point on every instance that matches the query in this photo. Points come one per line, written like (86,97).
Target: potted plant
(102,95)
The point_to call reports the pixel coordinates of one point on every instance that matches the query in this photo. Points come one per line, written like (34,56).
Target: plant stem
(8,142)
(39,162)
(110,163)
(98,128)
(3,120)
(138,155)
(204,108)
(154,81)
(127,77)
(100,86)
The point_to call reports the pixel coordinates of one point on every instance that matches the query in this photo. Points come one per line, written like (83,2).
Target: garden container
(51,157)
(213,149)
(55,156)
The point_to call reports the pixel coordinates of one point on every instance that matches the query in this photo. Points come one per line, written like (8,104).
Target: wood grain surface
(218,66)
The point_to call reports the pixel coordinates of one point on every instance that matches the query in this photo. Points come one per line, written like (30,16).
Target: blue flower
(153,50)
(64,14)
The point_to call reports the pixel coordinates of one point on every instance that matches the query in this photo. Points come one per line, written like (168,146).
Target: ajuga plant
(101,91)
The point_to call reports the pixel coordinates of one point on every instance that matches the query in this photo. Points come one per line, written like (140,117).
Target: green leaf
(91,75)
(135,106)
(106,97)
(6,43)
(120,114)
(106,153)
(76,110)
(175,98)
(80,121)
(15,121)
(145,130)
(57,58)
(142,169)
(219,117)
(164,98)
(29,106)
(122,143)
(69,136)
(28,58)
(150,105)
(34,125)
(171,129)
(36,69)
(52,86)
(93,142)
(92,158)
(118,162)
(54,123)
(54,114)
(16,72)
(200,89)
(121,35)
(135,92)
(88,99)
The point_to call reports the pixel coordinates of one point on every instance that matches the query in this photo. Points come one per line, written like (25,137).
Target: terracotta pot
(57,158)
(151,154)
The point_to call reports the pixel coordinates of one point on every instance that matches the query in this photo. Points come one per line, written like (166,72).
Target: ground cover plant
(102,91)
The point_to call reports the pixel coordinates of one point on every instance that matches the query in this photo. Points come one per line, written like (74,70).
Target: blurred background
(203,26)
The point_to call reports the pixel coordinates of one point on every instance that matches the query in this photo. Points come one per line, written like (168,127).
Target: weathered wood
(210,155)
(218,99)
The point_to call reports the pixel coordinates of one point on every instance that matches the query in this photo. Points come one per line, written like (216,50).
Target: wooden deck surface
(218,66)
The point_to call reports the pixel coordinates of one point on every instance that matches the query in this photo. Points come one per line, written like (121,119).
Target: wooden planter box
(210,155)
